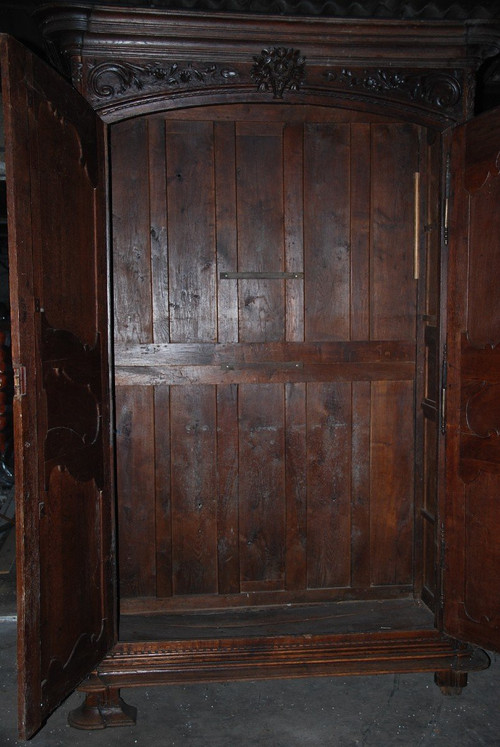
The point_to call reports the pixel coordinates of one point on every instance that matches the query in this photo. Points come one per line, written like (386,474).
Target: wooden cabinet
(256,326)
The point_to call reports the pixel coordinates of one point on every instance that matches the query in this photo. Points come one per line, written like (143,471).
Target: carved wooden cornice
(135,60)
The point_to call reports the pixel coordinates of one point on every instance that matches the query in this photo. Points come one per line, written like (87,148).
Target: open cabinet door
(472,505)
(57,228)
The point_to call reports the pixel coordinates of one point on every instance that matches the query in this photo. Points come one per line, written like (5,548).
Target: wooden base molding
(175,662)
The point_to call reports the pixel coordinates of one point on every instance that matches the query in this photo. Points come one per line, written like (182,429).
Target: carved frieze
(279,69)
(114,79)
(440,90)
(276,70)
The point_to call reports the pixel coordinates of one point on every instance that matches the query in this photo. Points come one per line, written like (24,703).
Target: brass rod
(416,233)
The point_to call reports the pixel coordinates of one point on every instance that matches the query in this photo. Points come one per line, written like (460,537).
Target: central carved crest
(279,69)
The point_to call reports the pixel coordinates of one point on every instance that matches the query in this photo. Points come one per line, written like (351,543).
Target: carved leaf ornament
(279,69)
(110,79)
(440,90)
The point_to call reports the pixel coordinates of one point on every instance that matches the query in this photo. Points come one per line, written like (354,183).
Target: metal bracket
(261,275)
(19,381)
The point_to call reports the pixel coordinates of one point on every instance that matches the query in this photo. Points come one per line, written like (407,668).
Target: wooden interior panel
(279,455)
(190,227)
(394,159)
(328,485)
(262,486)
(326,231)
(193,481)
(131,234)
(392,471)
(136,497)
(259,175)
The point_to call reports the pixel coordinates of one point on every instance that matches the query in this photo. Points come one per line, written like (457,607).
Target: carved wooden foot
(450,681)
(102,708)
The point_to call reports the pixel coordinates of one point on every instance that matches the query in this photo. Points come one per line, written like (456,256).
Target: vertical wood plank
(360,231)
(393,289)
(227,254)
(326,231)
(259,171)
(227,509)
(136,490)
(262,487)
(328,485)
(194,486)
(392,488)
(131,248)
(293,165)
(158,229)
(296,486)
(360,510)
(163,510)
(191,231)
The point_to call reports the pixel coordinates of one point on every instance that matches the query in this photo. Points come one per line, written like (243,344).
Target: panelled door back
(472,515)
(57,252)
(265,312)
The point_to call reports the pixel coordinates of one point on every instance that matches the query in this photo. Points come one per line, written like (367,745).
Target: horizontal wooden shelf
(291,619)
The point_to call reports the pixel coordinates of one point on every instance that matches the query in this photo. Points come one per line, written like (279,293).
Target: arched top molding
(128,62)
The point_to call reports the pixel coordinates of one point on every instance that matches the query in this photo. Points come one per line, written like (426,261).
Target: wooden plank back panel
(191,239)
(394,159)
(392,474)
(262,486)
(326,231)
(131,234)
(259,172)
(276,462)
(328,485)
(193,481)
(136,490)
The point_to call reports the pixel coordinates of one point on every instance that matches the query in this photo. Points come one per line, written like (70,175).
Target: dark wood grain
(296,485)
(163,501)
(228,540)
(392,288)
(131,233)
(329,485)
(57,229)
(191,240)
(391,508)
(326,231)
(136,498)
(194,489)
(279,439)
(259,164)
(262,487)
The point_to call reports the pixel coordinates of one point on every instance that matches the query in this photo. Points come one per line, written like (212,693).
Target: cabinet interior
(276,275)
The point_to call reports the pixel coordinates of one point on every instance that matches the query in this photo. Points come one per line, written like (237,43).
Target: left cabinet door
(57,226)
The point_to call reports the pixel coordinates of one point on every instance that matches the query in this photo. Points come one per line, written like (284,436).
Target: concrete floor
(376,711)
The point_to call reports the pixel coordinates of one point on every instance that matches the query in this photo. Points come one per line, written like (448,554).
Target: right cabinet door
(472,503)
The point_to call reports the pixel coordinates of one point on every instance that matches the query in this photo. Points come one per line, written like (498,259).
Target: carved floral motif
(279,69)
(110,79)
(440,90)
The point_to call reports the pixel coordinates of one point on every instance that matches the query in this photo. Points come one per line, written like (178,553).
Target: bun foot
(101,709)
(450,682)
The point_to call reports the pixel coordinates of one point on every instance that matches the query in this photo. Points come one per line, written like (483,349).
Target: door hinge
(444,383)
(447,190)
(19,381)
